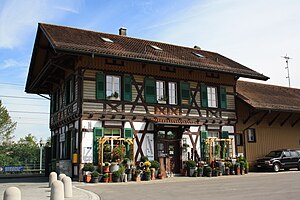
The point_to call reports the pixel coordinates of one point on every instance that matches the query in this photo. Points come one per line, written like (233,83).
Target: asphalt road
(264,186)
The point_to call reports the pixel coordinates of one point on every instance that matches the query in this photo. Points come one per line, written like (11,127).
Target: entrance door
(173,154)
(168,145)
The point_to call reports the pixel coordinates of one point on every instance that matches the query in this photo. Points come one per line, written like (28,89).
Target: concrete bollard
(52,178)
(67,187)
(12,193)
(61,176)
(57,191)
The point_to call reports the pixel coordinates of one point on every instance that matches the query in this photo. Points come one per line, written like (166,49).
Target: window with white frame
(172,93)
(113,87)
(161,92)
(213,134)
(212,97)
(251,135)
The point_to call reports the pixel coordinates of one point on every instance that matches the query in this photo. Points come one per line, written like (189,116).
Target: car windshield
(274,154)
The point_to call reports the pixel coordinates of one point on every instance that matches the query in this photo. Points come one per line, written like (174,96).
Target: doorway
(168,145)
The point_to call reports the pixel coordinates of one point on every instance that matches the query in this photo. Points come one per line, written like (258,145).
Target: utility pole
(287,68)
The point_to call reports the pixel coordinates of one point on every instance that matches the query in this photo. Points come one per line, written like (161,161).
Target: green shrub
(105,175)
(88,167)
(144,158)
(116,174)
(155,164)
(95,174)
(191,164)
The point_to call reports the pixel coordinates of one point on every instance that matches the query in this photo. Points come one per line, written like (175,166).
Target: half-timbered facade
(268,119)
(168,98)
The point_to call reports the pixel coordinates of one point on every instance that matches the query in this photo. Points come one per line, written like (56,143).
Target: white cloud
(12,63)
(254,33)
(19,18)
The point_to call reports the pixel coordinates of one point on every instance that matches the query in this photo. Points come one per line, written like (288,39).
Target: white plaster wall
(148,146)
(90,124)
(87,147)
(139,125)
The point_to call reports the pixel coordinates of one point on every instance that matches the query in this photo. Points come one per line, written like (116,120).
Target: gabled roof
(269,97)
(84,42)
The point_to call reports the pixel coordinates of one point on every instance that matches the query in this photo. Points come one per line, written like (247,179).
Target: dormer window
(156,47)
(198,55)
(107,40)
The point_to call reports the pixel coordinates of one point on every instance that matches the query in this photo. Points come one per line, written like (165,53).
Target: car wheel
(276,167)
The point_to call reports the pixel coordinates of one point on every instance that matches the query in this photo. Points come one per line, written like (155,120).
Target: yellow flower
(147,164)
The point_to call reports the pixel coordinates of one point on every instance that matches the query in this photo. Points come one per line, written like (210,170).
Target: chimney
(122,31)
(197,47)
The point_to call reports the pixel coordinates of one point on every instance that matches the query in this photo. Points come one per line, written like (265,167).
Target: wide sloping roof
(269,97)
(89,42)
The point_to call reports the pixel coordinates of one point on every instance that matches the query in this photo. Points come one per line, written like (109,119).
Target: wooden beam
(261,119)
(249,117)
(295,122)
(274,119)
(284,121)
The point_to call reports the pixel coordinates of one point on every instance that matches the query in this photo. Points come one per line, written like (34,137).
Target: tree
(7,126)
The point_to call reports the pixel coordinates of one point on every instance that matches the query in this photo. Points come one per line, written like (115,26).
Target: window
(286,153)
(213,134)
(198,55)
(160,92)
(251,135)
(172,93)
(212,97)
(113,87)
(69,91)
(156,47)
(112,132)
(239,139)
(106,39)
(294,154)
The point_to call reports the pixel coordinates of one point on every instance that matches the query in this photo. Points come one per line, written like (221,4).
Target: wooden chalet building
(115,86)
(268,119)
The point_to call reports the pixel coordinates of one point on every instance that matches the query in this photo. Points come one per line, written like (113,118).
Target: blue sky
(254,33)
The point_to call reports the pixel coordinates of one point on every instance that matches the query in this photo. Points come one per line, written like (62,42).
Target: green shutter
(223,97)
(204,101)
(98,133)
(185,94)
(150,90)
(225,135)
(127,88)
(128,133)
(203,145)
(71,89)
(73,132)
(67,92)
(100,86)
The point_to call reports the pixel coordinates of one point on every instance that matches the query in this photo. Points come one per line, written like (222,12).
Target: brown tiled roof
(84,41)
(262,96)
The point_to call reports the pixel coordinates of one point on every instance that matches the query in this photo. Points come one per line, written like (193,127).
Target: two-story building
(169,98)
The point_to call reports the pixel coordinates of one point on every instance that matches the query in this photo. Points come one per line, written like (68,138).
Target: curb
(92,195)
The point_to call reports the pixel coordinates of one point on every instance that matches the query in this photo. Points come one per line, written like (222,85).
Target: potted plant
(106,178)
(232,169)
(156,166)
(215,171)
(207,171)
(106,167)
(147,165)
(88,168)
(152,173)
(144,158)
(191,166)
(242,167)
(227,168)
(116,176)
(237,168)
(147,175)
(246,167)
(95,177)
(200,171)
(122,173)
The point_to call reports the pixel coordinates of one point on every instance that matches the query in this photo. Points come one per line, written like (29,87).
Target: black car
(279,159)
